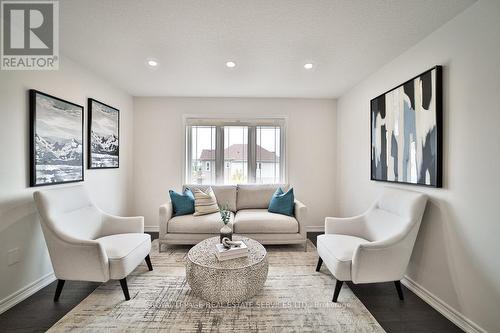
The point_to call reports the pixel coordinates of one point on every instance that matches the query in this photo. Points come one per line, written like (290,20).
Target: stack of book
(233,252)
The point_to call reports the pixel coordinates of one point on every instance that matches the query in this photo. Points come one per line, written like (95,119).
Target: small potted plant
(226,230)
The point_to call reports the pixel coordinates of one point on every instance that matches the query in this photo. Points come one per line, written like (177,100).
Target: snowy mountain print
(57,140)
(104,144)
(64,152)
(103,134)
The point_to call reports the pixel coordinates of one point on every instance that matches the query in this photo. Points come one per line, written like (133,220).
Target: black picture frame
(90,153)
(438,161)
(33,114)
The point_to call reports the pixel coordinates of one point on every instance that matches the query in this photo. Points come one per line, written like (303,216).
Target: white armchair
(87,244)
(375,246)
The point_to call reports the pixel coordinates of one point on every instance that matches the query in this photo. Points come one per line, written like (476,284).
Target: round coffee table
(230,281)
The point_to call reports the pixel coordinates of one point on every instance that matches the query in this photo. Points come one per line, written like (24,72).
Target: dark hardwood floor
(38,312)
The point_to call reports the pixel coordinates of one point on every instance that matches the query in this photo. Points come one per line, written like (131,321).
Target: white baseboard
(23,293)
(315,228)
(453,315)
(151,228)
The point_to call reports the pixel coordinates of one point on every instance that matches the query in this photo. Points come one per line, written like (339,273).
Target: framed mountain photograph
(406,132)
(56,140)
(103,136)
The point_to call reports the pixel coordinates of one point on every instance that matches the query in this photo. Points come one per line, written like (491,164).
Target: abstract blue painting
(406,132)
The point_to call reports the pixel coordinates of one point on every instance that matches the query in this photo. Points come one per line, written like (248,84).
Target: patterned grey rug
(295,298)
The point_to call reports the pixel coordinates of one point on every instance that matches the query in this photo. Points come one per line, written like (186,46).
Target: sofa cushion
(190,224)
(225,194)
(256,196)
(260,221)
(337,251)
(205,202)
(182,204)
(282,203)
(125,252)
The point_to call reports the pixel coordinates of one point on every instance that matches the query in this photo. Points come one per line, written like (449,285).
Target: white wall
(19,226)
(456,255)
(159,147)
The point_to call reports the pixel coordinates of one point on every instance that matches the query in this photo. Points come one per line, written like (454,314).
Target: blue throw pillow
(182,204)
(282,203)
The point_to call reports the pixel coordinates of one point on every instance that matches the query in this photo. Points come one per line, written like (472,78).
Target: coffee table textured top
(204,254)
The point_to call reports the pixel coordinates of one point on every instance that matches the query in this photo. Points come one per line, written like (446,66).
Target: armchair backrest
(69,211)
(396,212)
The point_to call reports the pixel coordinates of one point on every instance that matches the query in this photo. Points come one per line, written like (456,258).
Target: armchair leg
(399,289)
(318,266)
(59,288)
(148,262)
(123,283)
(338,286)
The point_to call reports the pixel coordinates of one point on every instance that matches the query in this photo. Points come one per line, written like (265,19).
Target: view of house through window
(268,155)
(202,154)
(225,153)
(235,154)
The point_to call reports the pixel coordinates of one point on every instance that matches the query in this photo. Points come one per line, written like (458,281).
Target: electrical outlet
(13,256)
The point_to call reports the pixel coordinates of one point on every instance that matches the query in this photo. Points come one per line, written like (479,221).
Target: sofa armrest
(166,212)
(300,212)
(112,225)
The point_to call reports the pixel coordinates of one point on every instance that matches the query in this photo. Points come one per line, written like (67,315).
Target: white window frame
(220,122)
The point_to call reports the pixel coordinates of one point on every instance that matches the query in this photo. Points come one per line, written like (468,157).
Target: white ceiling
(270,40)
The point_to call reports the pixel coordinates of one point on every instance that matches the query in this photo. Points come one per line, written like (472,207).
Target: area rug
(295,298)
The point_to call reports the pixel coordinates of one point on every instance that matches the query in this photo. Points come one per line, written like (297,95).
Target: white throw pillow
(205,202)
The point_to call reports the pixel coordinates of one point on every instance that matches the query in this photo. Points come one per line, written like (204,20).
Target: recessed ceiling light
(308,65)
(230,64)
(153,63)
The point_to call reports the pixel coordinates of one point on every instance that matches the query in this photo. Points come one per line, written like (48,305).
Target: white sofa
(87,244)
(249,217)
(375,246)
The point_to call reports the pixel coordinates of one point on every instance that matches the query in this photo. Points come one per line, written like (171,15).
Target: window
(235,151)
(236,154)
(202,154)
(268,154)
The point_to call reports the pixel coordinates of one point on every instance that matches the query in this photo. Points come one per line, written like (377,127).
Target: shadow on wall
(14,210)
(471,278)
(20,229)
(440,238)
(432,241)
